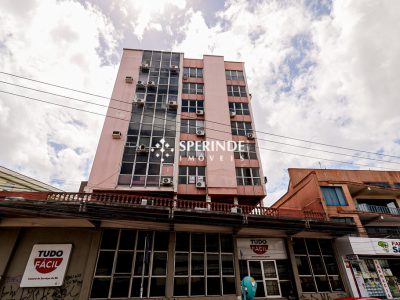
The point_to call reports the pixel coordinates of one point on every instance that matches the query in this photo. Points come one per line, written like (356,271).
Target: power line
(211,129)
(87,111)
(257,131)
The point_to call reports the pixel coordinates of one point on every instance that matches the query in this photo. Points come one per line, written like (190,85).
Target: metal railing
(129,200)
(378,209)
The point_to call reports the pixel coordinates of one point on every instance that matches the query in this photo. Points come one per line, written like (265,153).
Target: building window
(346,220)
(248,152)
(191,126)
(380,184)
(234,75)
(189,150)
(190,175)
(241,128)
(239,107)
(248,176)
(192,105)
(333,196)
(204,265)
(396,185)
(192,88)
(151,123)
(122,256)
(317,266)
(237,90)
(193,72)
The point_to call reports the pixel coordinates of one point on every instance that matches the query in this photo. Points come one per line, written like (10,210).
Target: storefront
(266,260)
(372,266)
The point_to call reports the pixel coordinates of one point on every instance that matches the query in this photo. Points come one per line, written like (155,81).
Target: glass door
(265,274)
(271,278)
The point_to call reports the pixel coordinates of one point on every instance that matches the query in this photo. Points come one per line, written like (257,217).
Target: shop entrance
(266,275)
(377,277)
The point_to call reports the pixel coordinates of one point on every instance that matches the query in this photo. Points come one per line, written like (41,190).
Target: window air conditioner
(166,181)
(145,66)
(151,84)
(140,84)
(250,136)
(172,103)
(142,149)
(200,132)
(232,114)
(200,112)
(116,134)
(174,68)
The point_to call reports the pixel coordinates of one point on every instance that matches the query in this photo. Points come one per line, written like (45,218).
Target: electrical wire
(280,151)
(210,129)
(256,131)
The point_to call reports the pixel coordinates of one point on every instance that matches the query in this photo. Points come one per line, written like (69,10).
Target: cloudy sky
(321,72)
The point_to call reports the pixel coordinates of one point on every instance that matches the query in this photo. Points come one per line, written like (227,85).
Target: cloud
(57,43)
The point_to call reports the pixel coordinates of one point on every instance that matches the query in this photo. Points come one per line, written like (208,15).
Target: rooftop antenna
(320,166)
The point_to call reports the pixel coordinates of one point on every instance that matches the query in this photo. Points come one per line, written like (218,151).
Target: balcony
(378,209)
(95,208)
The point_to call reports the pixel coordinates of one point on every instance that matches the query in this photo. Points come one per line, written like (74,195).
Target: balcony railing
(129,200)
(378,209)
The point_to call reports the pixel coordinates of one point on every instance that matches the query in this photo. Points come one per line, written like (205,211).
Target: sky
(320,72)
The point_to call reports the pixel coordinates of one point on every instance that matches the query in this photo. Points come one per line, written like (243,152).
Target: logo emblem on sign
(384,245)
(47,265)
(259,249)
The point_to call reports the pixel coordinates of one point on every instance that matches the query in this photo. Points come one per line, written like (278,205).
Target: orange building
(368,199)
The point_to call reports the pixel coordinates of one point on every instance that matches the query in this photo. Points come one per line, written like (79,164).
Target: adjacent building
(14,181)
(368,199)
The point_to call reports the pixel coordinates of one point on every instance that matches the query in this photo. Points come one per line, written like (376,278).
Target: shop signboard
(46,265)
(374,246)
(261,248)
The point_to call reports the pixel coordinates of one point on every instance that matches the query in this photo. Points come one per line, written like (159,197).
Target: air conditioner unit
(172,103)
(151,84)
(145,66)
(174,68)
(128,79)
(236,210)
(200,179)
(140,84)
(139,101)
(146,202)
(232,114)
(185,77)
(166,181)
(142,149)
(116,134)
(201,185)
(250,136)
(200,132)
(200,112)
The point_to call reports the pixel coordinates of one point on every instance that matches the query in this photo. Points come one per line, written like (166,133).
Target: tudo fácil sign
(261,248)
(46,265)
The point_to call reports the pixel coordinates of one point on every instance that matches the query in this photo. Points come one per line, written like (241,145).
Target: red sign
(259,249)
(47,265)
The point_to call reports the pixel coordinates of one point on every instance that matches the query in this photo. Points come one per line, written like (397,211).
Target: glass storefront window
(317,265)
(204,265)
(121,259)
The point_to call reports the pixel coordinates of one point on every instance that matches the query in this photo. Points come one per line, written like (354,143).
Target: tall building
(173,127)
(371,201)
